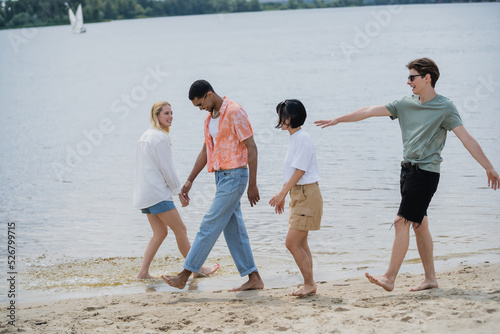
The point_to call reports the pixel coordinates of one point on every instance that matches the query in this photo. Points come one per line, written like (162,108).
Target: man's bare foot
(174,281)
(145,276)
(207,271)
(178,281)
(254,283)
(426,284)
(304,290)
(381,281)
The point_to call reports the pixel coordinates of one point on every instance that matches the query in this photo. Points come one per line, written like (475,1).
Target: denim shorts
(161,207)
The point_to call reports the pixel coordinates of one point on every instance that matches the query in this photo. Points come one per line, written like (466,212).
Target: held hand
(185,191)
(184,202)
(278,202)
(326,122)
(253,195)
(493,179)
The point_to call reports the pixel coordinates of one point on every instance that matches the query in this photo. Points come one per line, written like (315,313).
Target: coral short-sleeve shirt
(229,151)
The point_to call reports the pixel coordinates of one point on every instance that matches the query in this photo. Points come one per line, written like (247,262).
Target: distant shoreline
(54,14)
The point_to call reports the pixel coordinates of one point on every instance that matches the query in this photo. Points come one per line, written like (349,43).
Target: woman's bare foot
(381,281)
(304,290)
(426,284)
(207,271)
(145,276)
(254,283)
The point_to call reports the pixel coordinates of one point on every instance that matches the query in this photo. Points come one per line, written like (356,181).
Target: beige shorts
(306,207)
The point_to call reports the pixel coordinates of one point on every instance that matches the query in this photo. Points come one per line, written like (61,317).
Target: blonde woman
(155,184)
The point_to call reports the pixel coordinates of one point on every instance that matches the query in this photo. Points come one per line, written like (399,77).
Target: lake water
(73,107)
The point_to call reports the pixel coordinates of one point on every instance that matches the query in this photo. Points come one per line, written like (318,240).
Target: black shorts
(417,188)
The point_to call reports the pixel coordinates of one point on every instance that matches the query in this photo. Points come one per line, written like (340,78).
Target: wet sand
(467,301)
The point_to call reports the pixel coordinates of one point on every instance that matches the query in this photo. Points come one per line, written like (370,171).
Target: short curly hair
(199,88)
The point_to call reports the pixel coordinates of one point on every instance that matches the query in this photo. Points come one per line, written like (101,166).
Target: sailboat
(77,21)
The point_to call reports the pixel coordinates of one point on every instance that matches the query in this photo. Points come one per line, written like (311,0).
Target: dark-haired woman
(301,181)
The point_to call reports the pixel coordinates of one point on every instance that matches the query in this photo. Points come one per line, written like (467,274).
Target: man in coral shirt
(229,150)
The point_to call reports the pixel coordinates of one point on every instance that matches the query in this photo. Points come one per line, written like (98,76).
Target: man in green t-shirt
(424,119)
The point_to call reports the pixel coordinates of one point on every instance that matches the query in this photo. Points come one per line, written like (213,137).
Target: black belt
(410,166)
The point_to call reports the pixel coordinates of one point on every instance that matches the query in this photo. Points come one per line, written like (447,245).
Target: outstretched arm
(477,153)
(355,116)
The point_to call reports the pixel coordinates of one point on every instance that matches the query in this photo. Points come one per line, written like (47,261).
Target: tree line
(35,13)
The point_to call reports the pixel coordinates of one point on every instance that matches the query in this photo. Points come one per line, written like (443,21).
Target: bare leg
(160,231)
(426,251)
(305,246)
(159,224)
(174,221)
(296,242)
(254,283)
(399,249)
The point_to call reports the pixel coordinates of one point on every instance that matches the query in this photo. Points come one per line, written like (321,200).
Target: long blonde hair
(155,110)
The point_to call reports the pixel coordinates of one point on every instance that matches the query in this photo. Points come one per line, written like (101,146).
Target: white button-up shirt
(156,178)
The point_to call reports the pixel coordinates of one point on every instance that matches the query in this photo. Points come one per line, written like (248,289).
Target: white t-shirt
(213,128)
(301,156)
(155,175)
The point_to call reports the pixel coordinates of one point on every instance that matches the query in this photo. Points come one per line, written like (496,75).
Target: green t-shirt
(424,127)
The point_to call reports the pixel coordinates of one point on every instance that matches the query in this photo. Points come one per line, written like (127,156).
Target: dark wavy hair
(292,110)
(425,66)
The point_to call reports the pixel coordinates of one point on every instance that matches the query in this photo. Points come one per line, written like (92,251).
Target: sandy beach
(467,301)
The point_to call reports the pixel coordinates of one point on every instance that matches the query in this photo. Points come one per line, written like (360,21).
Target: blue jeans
(224,215)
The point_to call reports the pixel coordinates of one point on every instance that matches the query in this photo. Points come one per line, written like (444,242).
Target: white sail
(72,18)
(76,21)
(79,19)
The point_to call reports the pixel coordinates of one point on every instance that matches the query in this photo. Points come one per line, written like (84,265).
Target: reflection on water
(77,233)
(72,278)
(99,273)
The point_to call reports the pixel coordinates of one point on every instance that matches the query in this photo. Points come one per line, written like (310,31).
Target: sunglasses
(412,77)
